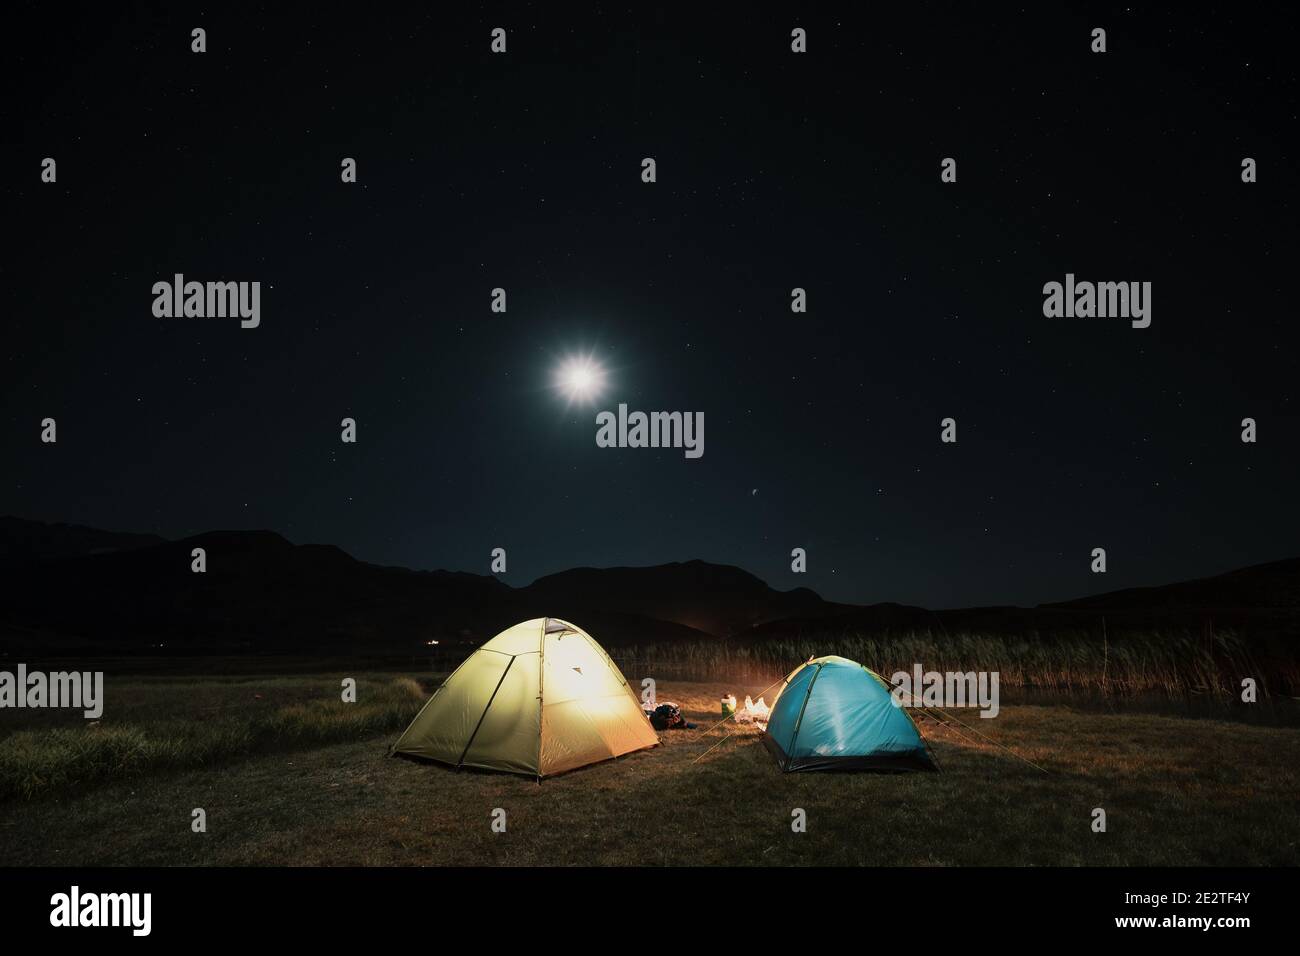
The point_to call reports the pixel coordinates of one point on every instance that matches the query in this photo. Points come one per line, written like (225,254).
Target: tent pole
(541,704)
(469,743)
(798,723)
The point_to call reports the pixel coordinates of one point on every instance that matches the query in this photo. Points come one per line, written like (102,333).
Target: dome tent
(834,714)
(540,698)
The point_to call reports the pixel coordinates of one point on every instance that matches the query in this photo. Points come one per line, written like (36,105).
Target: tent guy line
(926,707)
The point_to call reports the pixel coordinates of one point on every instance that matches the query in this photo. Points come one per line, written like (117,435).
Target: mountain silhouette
(24,542)
(714,598)
(72,587)
(1275,585)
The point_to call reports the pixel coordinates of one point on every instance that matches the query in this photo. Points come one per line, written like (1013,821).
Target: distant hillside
(25,542)
(715,598)
(259,591)
(1274,586)
(69,587)
(263,593)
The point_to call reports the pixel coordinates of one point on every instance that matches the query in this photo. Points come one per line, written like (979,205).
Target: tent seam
(470,743)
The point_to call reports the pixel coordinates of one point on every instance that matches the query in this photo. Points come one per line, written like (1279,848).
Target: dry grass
(1174,665)
(1177,791)
(175,725)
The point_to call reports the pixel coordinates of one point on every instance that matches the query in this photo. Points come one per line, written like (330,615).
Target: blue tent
(834,714)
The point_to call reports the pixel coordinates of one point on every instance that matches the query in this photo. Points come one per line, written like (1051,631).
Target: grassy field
(289,775)
(177,723)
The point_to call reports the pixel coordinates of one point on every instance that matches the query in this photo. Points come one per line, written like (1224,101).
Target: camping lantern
(728,705)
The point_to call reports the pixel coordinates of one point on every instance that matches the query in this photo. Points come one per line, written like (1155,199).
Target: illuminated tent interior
(540,698)
(834,714)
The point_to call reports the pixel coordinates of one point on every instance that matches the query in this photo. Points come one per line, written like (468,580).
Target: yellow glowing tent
(540,698)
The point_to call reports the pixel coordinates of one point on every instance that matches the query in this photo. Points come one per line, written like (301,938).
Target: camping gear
(753,713)
(540,698)
(779,680)
(728,705)
(834,714)
(668,716)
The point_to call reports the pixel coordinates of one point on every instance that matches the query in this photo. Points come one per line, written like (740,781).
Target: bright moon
(580,378)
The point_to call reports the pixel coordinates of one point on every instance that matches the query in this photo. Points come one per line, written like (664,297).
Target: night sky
(775,170)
